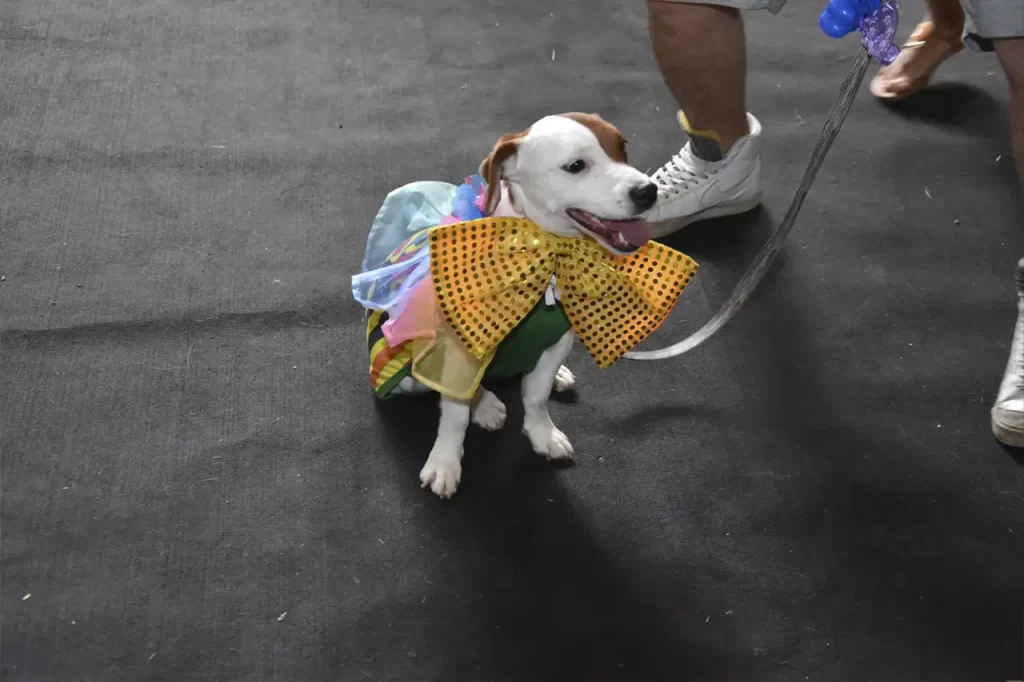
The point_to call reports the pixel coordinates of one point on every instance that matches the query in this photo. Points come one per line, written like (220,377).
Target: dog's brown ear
(490,169)
(612,141)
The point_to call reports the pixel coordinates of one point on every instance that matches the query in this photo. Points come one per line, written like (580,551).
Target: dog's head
(568,173)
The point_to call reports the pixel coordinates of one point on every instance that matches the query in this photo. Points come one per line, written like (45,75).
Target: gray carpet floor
(197,483)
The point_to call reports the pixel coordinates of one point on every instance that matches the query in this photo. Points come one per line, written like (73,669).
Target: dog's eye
(577,166)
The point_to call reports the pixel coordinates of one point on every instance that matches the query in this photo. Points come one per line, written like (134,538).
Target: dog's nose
(643,196)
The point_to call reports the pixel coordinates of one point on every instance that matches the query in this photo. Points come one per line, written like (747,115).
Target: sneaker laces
(682,172)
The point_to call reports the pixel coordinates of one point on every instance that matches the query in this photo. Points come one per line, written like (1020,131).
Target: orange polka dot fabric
(489,273)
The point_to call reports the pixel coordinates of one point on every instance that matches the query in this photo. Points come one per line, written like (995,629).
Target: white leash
(764,260)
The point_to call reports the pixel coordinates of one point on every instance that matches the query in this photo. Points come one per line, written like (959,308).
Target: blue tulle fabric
(396,257)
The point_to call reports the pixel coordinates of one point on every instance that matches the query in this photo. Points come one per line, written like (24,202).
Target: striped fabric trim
(388,366)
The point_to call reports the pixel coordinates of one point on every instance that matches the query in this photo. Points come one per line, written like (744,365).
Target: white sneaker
(1008,409)
(691,189)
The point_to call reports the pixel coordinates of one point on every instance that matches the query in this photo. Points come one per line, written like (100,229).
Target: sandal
(924,33)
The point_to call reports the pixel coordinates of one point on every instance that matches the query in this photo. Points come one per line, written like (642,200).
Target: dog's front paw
(489,412)
(548,441)
(442,474)
(565,380)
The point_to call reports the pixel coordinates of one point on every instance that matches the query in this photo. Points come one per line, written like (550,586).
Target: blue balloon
(844,16)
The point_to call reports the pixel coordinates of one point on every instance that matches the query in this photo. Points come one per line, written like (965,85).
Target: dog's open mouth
(622,236)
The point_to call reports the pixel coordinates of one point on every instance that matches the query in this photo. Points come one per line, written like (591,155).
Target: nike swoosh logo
(721,192)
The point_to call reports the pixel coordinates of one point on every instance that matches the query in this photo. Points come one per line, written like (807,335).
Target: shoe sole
(1007,435)
(720,211)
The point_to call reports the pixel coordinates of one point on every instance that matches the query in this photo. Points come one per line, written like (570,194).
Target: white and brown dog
(568,174)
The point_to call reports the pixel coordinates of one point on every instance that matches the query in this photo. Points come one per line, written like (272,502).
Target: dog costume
(454,297)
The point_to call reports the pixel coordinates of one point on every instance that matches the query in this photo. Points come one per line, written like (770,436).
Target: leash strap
(756,272)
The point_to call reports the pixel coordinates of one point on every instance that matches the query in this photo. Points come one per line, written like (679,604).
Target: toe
(564,379)
(558,447)
(442,480)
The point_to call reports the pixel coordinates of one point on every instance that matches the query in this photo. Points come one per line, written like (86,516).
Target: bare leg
(701,51)
(936,39)
(1008,410)
(1011,56)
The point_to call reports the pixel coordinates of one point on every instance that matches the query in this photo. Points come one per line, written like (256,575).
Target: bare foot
(928,47)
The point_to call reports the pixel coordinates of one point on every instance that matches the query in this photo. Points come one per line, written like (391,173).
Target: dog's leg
(546,439)
(565,380)
(488,412)
(443,468)
(409,386)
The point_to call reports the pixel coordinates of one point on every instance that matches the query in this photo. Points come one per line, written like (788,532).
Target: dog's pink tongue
(636,232)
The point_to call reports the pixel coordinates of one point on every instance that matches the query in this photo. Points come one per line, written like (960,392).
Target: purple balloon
(877,31)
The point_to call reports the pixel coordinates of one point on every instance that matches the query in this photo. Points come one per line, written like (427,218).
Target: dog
(568,174)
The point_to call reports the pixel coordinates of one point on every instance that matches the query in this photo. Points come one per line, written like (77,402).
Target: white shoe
(691,189)
(1008,410)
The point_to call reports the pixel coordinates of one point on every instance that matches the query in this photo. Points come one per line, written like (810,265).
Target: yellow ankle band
(693,131)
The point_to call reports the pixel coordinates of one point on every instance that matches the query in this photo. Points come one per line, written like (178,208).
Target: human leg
(1011,56)
(1008,410)
(999,25)
(701,52)
(700,48)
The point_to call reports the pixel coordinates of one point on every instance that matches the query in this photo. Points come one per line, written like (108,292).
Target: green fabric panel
(519,352)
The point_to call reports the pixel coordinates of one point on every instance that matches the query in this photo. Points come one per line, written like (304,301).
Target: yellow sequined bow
(489,273)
